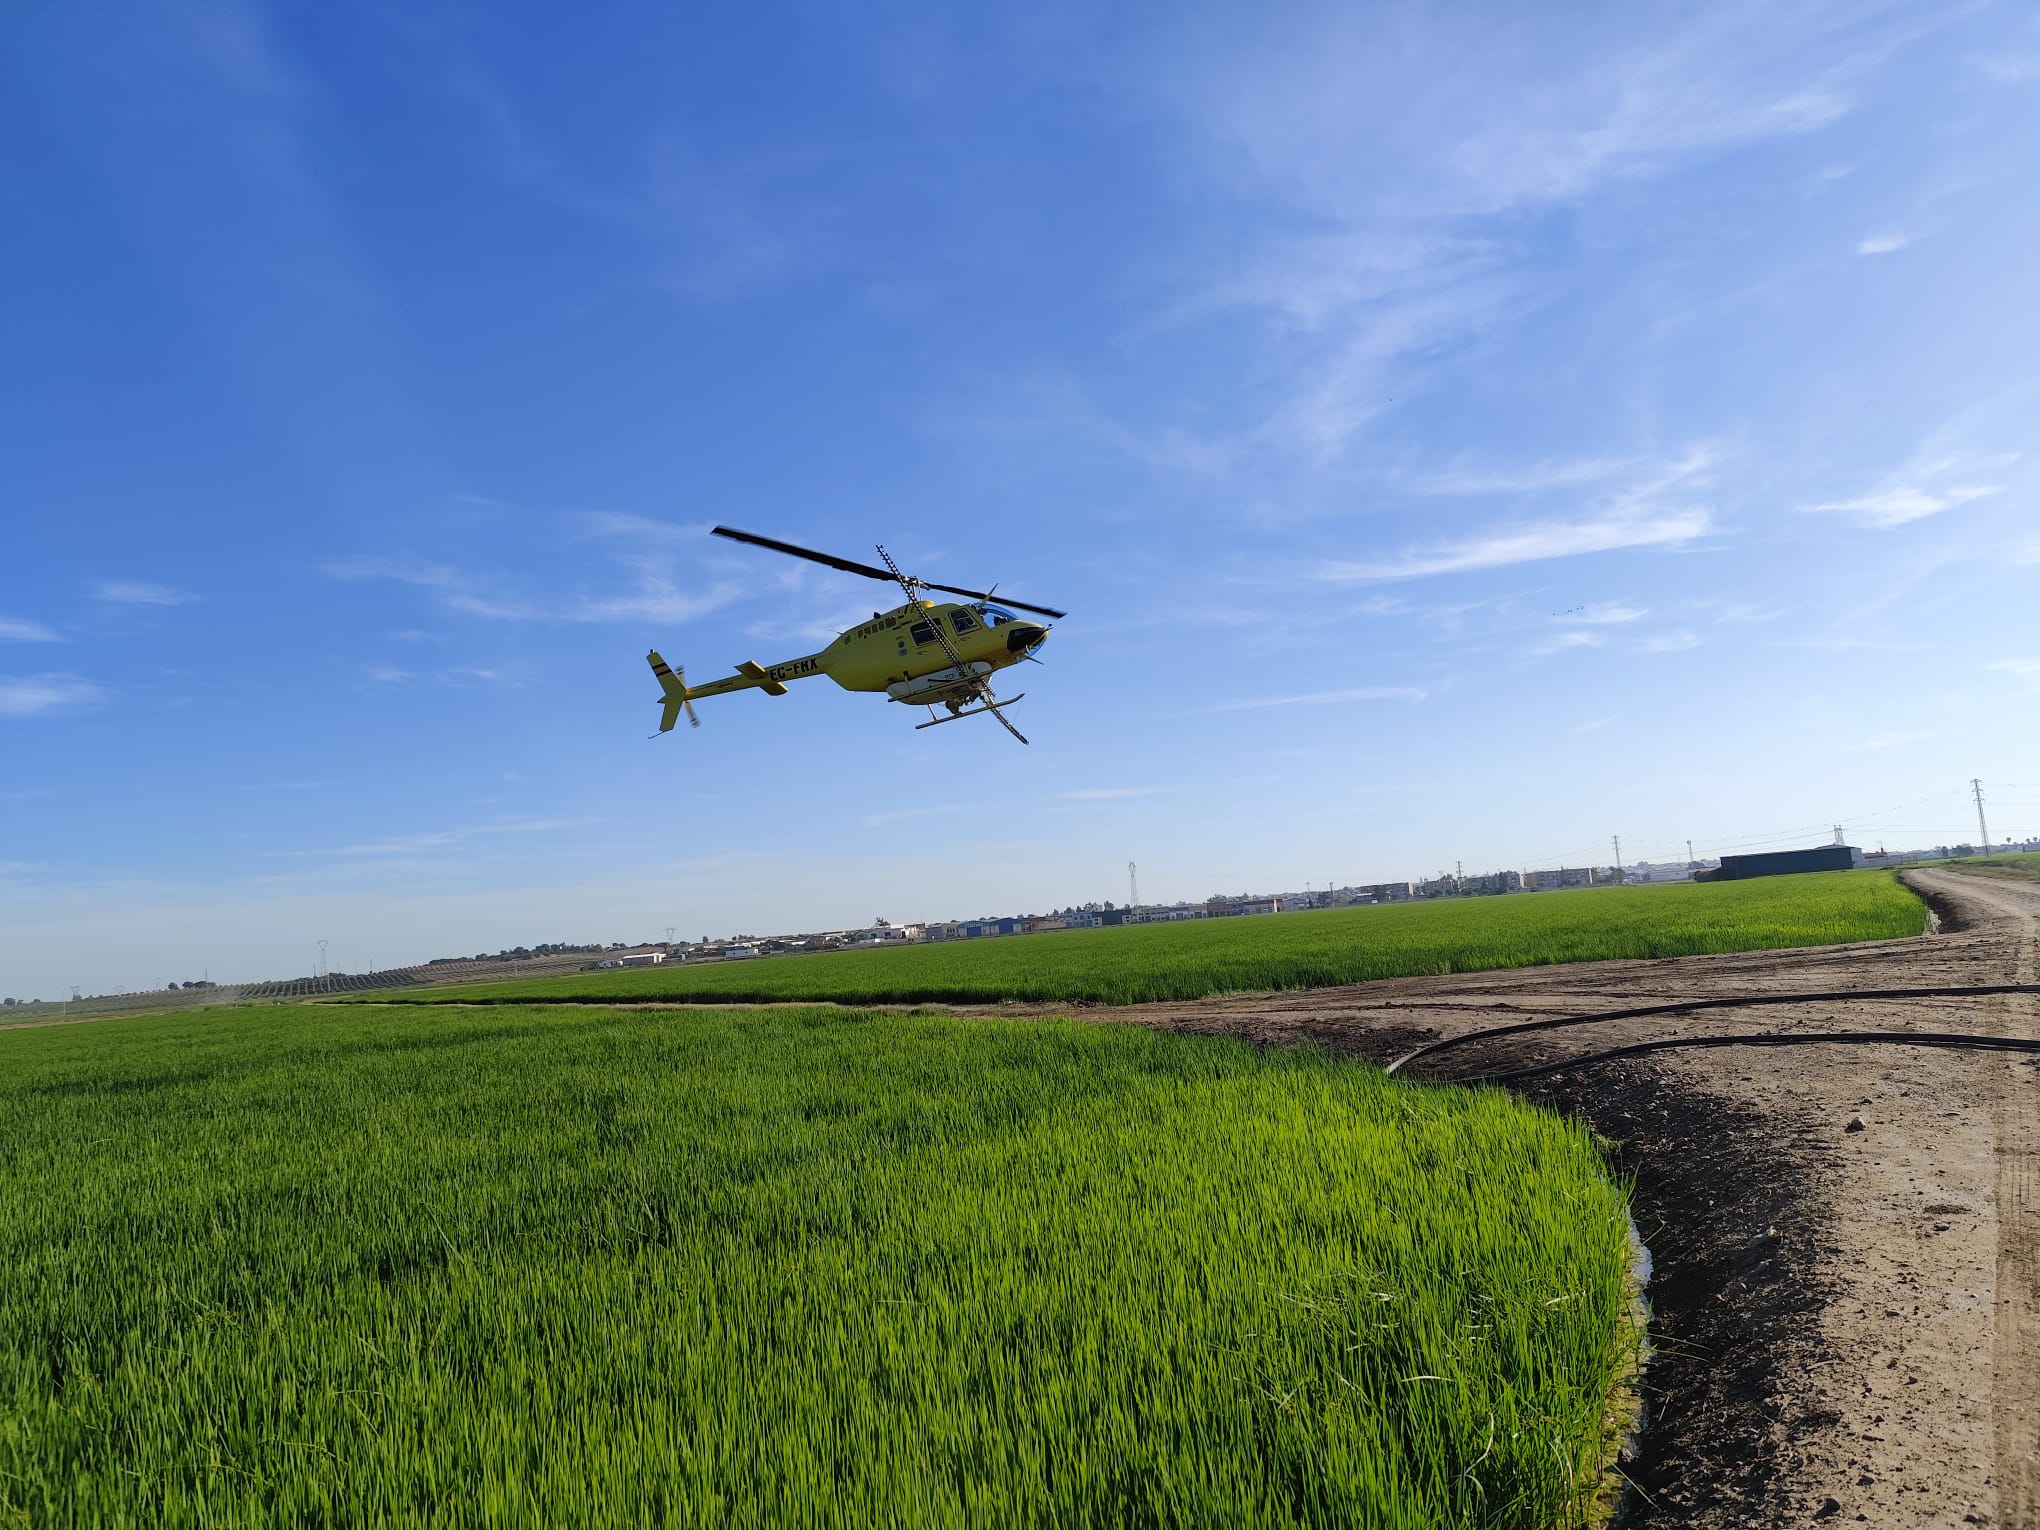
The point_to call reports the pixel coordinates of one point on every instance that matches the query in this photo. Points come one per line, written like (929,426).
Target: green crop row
(575,1265)
(1196,958)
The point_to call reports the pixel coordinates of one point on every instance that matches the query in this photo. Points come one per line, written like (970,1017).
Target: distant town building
(1226,908)
(1564,876)
(1383,892)
(1775,863)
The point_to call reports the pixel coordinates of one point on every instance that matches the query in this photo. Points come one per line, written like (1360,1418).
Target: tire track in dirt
(2013,904)
(2016,1399)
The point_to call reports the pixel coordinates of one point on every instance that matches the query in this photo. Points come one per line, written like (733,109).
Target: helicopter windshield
(994,617)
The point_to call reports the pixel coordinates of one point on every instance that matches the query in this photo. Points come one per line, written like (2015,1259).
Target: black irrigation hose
(1971,990)
(1951,1039)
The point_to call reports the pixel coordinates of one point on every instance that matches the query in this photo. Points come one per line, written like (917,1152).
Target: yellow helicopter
(920,653)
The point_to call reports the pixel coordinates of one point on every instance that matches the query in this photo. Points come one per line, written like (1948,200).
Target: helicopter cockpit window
(994,617)
(963,622)
(923,633)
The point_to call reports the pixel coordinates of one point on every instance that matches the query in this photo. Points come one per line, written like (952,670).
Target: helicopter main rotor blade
(1004,600)
(827,559)
(830,560)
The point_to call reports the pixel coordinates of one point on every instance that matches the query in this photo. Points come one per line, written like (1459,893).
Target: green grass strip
(330,1266)
(1197,958)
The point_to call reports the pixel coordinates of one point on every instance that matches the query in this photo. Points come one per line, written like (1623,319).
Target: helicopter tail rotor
(673,682)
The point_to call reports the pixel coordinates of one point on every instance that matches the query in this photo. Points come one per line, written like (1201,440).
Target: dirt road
(1847,1239)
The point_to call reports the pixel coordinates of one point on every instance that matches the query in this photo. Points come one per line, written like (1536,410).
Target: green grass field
(1306,950)
(571,1265)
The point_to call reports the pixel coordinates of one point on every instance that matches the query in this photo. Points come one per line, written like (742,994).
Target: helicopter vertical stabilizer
(674,684)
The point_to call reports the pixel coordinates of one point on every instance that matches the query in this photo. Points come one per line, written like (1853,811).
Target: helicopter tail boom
(679,696)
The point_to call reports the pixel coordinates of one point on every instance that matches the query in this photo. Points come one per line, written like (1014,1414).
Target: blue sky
(1457,434)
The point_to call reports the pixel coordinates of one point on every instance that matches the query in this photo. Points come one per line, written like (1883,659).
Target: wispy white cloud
(495,609)
(20,630)
(1533,478)
(1943,472)
(1891,739)
(1744,611)
(1348,113)
(1409,148)
(654,598)
(1325,698)
(1595,725)
(641,528)
(1897,503)
(462,676)
(1534,543)
(135,592)
(459,676)
(1313,282)
(1105,793)
(402,569)
(2025,672)
(2011,68)
(1670,642)
(1843,643)
(47,695)
(903,815)
(1382,350)
(1656,106)
(1040,405)
(704,229)
(1607,613)
(408,844)
(1560,642)
(1883,244)
(1649,505)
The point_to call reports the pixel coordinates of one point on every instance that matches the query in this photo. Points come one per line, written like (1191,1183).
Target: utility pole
(1689,852)
(1459,871)
(1618,857)
(1838,835)
(1982,833)
(1132,885)
(669,935)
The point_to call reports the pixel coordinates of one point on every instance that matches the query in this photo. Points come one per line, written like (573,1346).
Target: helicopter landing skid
(977,711)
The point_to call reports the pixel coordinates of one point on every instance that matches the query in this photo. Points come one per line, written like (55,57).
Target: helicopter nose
(1025,637)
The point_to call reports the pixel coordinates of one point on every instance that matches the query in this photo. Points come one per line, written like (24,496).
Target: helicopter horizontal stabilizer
(751,670)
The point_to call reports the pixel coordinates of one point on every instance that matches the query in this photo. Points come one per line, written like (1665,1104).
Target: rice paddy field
(324,1265)
(1201,957)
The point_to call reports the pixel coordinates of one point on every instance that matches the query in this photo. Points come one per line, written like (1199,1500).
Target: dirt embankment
(1847,1238)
